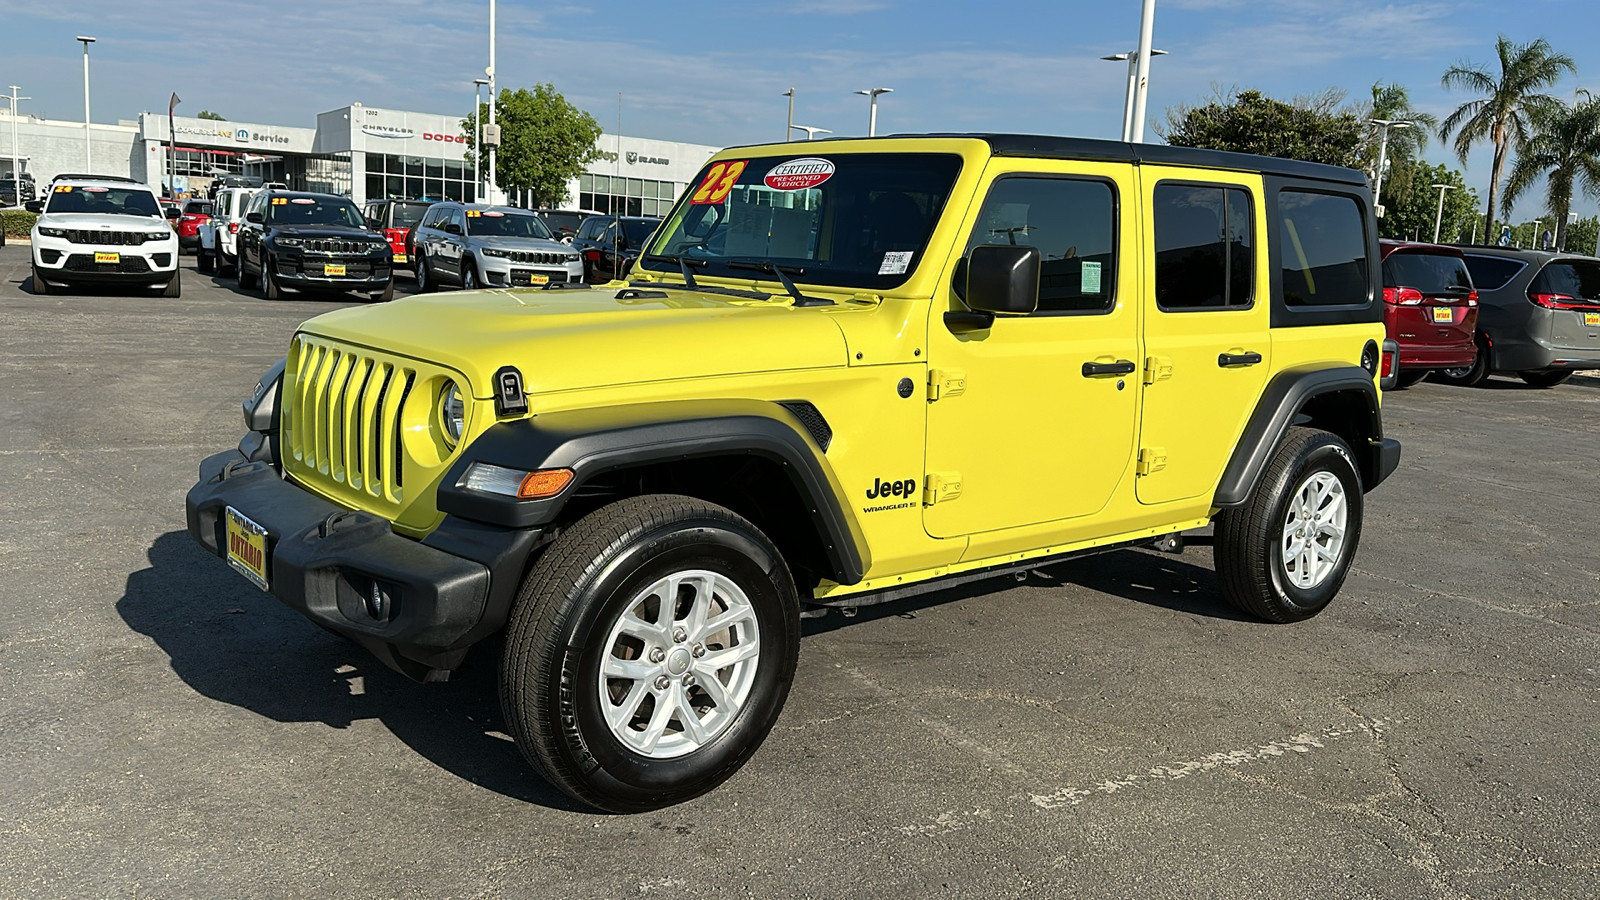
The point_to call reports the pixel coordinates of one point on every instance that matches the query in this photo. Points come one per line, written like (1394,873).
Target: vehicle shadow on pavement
(237,645)
(1154,579)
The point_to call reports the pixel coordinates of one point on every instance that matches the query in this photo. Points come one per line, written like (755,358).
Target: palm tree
(1391,102)
(1509,101)
(1565,145)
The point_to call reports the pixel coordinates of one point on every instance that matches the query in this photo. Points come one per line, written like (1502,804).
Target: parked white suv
(103,230)
(218,238)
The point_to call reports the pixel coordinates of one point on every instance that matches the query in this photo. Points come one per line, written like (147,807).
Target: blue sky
(713,72)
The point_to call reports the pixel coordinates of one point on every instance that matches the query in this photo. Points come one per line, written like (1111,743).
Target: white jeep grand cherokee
(103,230)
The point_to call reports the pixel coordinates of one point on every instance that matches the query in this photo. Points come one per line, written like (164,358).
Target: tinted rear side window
(1204,256)
(1430,273)
(1574,278)
(1323,245)
(1491,273)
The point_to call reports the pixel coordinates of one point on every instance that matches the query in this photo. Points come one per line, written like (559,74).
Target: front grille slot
(332,245)
(105,238)
(539,258)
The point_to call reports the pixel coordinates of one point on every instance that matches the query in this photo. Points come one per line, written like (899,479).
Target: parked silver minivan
(1538,315)
(475,245)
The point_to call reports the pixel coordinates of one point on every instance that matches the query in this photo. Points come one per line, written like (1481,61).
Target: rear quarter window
(1490,273)
(1323,248)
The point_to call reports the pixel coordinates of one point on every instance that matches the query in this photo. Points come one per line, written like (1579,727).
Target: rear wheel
(1285,553)
(1407,379)
(1469,375)
(1545,377)
(649,652)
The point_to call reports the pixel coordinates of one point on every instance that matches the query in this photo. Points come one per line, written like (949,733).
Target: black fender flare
(592,442)
(1280,407)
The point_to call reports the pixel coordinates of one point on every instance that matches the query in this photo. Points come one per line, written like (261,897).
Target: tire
(40,286)
(205,263)
(1407,379)
(469,274)
(1545,378)
(424,277)
(269,284)
(247,281)
(1466,376)
(385,295)
(568,621)
(1250,557)
(174,288)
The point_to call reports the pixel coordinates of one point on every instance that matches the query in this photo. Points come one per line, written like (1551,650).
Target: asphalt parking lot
(1104,728)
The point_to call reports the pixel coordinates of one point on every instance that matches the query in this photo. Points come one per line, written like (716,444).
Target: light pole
(789,132)
(872,116)
(16,159)
(1132,56)
(477,137)
(1147,29)
(88,166)
(494,179)
(1438,218)
(810,132)
(1383,158)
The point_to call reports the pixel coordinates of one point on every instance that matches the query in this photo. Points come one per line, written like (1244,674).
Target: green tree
(1510,99)
(1564,150)
(1582,235)
(545,142)
(1392,103)
(1247,122)
(1412,218)
(208,114)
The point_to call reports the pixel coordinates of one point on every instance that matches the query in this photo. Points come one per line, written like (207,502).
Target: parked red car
(397,219)
(195,213)
(1430,307)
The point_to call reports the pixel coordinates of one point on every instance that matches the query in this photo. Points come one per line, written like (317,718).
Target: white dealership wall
(48,147)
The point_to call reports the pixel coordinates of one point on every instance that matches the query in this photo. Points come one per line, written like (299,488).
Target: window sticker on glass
(719,182)
(895,262)
(61,188)
(1090,279)
(303,201)
(95,190)
(280,201)
(799,174)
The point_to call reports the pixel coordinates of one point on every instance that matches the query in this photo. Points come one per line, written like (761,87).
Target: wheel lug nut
(679,635)
(661,682)
(688,681)
(657,654)
(699,650)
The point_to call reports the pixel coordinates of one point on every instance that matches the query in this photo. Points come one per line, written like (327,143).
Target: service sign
(799,174)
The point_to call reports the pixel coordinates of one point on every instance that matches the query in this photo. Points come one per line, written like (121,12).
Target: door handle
(1120,367)
(1238,360)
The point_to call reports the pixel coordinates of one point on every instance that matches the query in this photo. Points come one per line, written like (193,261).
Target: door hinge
(1157,368)
(946,383)
(941,487)
(1151,460)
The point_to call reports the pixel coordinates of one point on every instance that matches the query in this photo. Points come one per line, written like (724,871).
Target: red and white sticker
(799,174)
(302,201)
(95,190)
(493,215)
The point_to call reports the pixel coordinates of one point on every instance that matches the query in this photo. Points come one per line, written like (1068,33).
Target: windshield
(847,219)
(407,214)
(1430,273)
(105,201)
(314,211)
(493,223)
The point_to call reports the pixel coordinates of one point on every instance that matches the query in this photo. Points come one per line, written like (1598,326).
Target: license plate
(399,257)
(330,269)
(1442,314)
(538,279)
(247,547)
(112,258)
(1591,318)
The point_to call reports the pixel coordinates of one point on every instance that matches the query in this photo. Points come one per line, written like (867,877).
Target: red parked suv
(195,213)
(397,220)
(1430,307)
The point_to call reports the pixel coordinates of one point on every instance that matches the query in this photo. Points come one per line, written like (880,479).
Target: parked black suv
(607,254)
(292,239)
(563,223)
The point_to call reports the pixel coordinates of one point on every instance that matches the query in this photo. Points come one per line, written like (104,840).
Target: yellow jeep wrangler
(840,373)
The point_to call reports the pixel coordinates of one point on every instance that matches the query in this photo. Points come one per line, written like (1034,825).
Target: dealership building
(363,152)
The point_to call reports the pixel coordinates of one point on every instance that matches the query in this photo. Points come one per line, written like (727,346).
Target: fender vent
(812,419)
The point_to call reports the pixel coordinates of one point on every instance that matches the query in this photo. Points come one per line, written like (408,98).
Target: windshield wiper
(683,264)
(799,298)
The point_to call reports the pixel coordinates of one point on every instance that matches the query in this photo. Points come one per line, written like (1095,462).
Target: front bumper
(1415,356)
(439,595)
(500,271)
(62,261)
(369,272)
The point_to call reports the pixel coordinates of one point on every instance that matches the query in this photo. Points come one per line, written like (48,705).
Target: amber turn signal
(544,483)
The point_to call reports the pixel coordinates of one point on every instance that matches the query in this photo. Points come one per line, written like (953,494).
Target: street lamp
(1438,217)
(1147,29)
(810,132)
(494,142)
(16,160)
(789,132)
(1132,56)
(477,137)
(88,167)
(1383,158)
(872,116)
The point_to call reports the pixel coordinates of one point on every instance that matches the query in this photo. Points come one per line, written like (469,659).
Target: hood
(538,245)
(98,222)
(568,339)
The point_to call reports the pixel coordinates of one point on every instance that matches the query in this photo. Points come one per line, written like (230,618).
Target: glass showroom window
(626,196)
(392,177)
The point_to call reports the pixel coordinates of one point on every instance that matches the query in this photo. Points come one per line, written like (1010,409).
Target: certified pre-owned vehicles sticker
(799,174)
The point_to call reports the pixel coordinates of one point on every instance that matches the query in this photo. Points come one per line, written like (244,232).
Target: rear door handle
(1234,360)
(1120,367)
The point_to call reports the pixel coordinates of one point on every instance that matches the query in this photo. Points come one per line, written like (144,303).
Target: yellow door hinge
(1157,368)
(942,487)
(1152,459)
(946,383)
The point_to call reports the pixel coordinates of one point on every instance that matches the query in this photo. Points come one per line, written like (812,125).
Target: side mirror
(34,206)
(1003,279)
(452,228)
(253,218)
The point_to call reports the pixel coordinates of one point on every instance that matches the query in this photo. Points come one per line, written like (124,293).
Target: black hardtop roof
(1053,147)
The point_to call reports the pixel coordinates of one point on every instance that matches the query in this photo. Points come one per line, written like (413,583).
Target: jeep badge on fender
(642,510)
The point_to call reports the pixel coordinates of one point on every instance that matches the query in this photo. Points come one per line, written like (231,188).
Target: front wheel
(247,281)
(174,287)
(469,274)
(1285,553)
(40,286)
(269,283)
(649,652)
(1545,378)
(205,263)
(424,279)
(385,295)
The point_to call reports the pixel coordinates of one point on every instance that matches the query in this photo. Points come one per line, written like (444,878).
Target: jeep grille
(330,245)
(108,238)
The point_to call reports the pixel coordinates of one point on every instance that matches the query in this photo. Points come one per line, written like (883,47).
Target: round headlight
(452,412)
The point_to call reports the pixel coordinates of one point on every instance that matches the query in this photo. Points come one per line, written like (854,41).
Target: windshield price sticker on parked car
(280,201)
(719,182)
(303,201)
(799,174)
(95,190)
(63,188)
